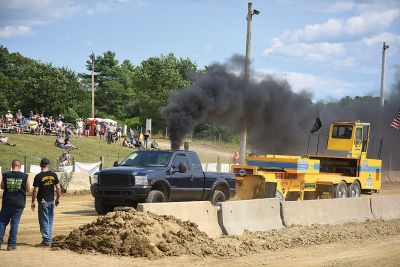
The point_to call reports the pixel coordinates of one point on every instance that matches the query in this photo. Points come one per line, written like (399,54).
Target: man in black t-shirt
(43,188)
(15,185)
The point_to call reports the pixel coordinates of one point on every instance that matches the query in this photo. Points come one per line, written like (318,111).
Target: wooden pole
(93,85)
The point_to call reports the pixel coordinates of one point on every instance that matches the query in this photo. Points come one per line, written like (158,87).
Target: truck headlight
(95,179)
(141,180)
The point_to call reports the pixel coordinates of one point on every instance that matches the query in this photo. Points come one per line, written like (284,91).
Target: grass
(34,148)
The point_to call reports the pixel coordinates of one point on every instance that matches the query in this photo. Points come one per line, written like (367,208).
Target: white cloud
(321,87)
(14,31)
(340,7)
(393,40)
(208,47)
(368,22)
(18,17)
(315,51)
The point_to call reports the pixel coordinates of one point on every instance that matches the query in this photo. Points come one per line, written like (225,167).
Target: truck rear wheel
(217,196)
(155,196)
(101,206)
(341,190)
(355,189)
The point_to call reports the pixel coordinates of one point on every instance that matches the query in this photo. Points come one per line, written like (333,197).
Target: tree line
(123,91)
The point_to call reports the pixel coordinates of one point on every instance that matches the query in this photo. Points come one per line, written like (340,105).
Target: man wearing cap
(15,185)
(43,188)
(9,117)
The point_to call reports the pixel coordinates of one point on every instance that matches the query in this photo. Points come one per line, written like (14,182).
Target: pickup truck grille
(115,179)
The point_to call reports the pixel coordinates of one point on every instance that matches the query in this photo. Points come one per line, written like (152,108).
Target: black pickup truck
(158,176)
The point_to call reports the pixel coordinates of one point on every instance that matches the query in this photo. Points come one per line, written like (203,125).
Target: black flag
(317,125)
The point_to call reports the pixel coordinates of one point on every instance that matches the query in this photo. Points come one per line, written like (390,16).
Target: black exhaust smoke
(278,120)
(269,107)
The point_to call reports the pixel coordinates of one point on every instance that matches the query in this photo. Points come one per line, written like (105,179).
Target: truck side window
(342,131)
(358,139)
(180,159)
(194,162)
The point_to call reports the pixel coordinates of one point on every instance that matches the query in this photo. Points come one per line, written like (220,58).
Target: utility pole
(243,134)
(92,84)
(385,46)
(382,99)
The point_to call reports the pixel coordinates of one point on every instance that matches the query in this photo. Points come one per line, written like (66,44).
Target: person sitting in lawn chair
(59,142)
(137,143)
(65,159)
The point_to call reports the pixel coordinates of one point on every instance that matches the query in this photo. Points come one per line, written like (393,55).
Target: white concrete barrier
(201,213)
(386,207)
(80,181)
(253,215)
(326,211)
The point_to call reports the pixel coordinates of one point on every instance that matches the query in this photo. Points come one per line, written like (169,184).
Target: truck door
(358,140)
(181,183)
(197,176)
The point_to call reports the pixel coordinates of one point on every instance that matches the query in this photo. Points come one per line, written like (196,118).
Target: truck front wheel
(101,206)
(218,196)
(155,196)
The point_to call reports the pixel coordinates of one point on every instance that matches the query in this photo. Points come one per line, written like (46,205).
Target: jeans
(46,218)
(6,215)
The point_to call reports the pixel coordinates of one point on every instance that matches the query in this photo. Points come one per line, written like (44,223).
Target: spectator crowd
(38,124)
(34,123)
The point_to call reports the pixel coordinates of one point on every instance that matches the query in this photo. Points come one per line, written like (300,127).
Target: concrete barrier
(386,207)
(391,176)
(252,215)
(200,212)
(326,211)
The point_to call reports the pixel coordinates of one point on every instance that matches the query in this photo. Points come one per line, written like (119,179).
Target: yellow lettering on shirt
(48,180)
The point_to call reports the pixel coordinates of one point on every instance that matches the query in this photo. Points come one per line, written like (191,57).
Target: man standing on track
(44,185)
(15,185)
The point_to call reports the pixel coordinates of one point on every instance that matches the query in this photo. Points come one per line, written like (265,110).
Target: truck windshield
(147,159)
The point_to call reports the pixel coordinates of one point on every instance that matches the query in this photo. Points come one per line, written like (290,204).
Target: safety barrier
(326,211)
(253,215)
(386,207)
(201,213)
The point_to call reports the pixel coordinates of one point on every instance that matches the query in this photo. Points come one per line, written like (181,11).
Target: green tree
(31,85)
(155,79)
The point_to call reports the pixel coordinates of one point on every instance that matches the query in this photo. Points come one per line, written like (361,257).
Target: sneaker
(43,244)
(12,247)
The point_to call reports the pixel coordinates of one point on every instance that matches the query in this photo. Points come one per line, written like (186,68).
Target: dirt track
(77,210)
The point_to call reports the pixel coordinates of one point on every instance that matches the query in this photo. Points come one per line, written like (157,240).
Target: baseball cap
(44,162)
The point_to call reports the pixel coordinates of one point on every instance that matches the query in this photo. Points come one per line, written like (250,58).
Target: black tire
(101,206)
(217,196)
(155,196)
(354,189)
(341,190)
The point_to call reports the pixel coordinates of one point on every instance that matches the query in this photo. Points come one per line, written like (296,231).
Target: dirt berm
(148,235)
(140,234)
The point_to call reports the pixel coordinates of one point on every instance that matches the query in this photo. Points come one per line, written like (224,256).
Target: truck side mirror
(116,164)
(182,167)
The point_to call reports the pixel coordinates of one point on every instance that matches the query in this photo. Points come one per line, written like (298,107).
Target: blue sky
(329,48)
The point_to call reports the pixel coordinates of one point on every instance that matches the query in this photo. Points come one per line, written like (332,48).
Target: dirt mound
(148,235)
(140,234)
(298,236)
